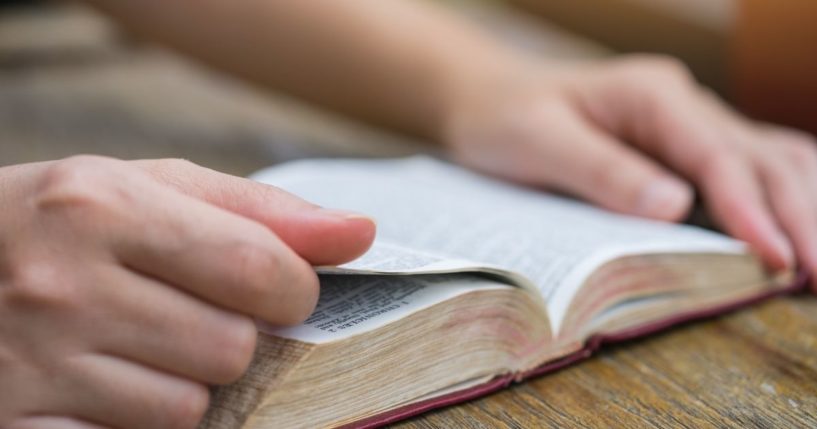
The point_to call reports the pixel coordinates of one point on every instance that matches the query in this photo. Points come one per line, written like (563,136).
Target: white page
(439,209)
(351,305)
(391,259)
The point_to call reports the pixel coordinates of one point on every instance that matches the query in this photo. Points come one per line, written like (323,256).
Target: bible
(472,284)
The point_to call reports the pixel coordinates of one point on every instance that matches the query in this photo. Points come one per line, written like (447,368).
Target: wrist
(496,80)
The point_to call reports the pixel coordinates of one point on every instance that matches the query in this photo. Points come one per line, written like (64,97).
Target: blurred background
(759,54)
(72,82)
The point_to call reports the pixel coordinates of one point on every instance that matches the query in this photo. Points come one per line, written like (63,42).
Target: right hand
(128,287)
(637,135)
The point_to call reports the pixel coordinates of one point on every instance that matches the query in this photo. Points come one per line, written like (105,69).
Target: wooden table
(70,84)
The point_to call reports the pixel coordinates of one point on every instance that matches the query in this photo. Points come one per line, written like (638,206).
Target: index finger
(218,256)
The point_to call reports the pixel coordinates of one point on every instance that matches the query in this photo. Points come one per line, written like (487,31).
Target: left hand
(637,135)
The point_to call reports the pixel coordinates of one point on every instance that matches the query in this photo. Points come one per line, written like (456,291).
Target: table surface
(83,87)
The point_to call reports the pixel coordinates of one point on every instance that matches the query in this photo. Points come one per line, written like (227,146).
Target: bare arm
(392,62)
(635,135)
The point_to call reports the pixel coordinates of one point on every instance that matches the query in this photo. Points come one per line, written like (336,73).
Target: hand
(637,135)
(127,287)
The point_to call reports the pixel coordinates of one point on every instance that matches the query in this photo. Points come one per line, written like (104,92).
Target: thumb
(320,236)
(604,171)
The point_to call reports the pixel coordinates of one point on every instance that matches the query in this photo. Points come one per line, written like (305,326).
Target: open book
(471,284)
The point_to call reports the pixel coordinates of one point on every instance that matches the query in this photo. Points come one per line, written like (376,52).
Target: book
(471,284)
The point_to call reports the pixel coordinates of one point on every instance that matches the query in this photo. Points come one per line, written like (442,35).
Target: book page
(354,304)
(439,209)
(391,259)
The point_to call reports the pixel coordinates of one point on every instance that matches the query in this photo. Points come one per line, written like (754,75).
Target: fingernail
(344,214)
(664,199)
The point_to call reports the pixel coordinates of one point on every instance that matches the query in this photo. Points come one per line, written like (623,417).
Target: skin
(635,134)
(177,259)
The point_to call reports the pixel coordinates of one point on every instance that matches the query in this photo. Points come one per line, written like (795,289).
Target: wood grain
(755,368)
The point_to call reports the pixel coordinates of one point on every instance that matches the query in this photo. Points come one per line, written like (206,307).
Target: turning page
(438,217)
(354,304)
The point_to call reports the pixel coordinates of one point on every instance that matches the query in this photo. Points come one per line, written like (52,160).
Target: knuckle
(255,267)
(276,280)
(273,281)
(303,296)
(187,409)
(236,347)
(76,182)
(38,284)
(76,169)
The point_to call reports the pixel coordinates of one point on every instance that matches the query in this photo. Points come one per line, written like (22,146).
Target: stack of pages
(472,284)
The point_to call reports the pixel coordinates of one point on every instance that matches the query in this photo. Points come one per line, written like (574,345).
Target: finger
(772,151)
(117,393)
(52,422)
(795,168)
(165,328)
(221,257)
(734,195)
(600,169)
(670,119)
(795,210)
(321,236)
(799,150)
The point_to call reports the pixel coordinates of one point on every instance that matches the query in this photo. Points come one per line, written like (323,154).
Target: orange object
(775,65)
